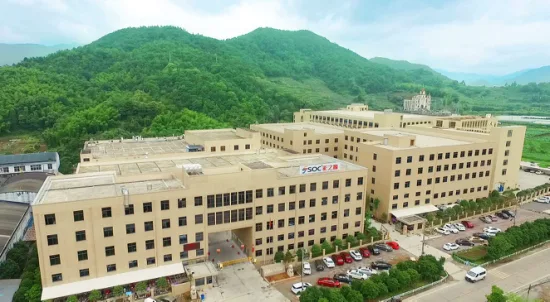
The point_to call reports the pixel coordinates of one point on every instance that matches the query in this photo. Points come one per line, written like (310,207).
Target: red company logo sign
(319,168)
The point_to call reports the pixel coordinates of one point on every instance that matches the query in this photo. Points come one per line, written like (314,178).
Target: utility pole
(516,211)
(423,240)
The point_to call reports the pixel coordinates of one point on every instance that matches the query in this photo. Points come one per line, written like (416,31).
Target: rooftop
(134,147)
(421,140)
(28,158)
(318,128)
(216,134)
(10,215)
(97,185)
(370,114)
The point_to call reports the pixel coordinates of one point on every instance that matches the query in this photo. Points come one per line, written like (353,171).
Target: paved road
(530,180)
(510,277)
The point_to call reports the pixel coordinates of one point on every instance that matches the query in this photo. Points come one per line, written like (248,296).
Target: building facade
(33,162)
(92,226)
(420,102)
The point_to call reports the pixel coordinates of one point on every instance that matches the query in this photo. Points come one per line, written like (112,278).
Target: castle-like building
(420,102)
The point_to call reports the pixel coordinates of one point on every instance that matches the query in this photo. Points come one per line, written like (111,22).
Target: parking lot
(530,180)
(537,207)
(522,216)
(391,257)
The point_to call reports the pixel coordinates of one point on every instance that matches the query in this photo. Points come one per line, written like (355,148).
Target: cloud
(468,35)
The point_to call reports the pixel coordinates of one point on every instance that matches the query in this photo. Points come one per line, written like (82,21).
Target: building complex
(137,208)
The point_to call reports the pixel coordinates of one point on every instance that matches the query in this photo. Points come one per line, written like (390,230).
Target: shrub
(279,256)
(316,250)
(9,270)
(94,296)
(118,291)
(162,283)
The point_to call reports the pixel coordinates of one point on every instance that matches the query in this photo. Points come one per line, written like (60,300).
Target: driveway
(530,180)
(392,257)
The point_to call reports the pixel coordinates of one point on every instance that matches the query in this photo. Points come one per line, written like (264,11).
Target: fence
(457,258)
(17,233)
(418,289)
(235,261)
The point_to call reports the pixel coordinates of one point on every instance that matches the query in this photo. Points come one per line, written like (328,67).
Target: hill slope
(163,80)
(536,75)
(399,64)
(15,53)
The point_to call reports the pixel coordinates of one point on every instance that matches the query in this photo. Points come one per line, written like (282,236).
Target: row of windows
(302,219)
(269,251)
(229,216)
(444,179)
(440,168)
(24,168)
(301,234)
(131,264)
(437,195)
(332,120)
(447,155)
(235,147)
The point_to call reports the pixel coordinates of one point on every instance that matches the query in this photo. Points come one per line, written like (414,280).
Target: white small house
(33,162)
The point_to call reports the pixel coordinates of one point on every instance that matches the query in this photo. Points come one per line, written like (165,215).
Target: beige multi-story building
(124,220)
(420,102)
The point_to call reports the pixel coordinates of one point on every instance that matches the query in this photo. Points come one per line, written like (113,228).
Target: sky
(472,36)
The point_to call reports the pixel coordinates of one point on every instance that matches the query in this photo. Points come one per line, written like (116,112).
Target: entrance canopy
(85,286)
(414,211)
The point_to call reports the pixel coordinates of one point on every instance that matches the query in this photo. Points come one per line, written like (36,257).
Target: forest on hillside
(158,81)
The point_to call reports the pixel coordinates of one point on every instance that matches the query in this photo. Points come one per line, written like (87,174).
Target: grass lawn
(399,292)
(476,254)
(537,143)
(24,142)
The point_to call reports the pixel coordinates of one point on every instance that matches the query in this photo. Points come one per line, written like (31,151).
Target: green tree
(9,270)
(311,294)
(316,250)
(351,240)
(141,287)
(118,291)
(95,295)
(496,295)
(415,276)
(499,246)
(72,299)
(327,247)
(288,258)
(361,236)
(300,254)
(382,289)
(393,284)
(369,290)
(162,283)
(34,293)
(279,256)
(338,243)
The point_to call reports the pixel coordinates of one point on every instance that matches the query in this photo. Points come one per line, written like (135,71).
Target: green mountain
(163,80)
(523,77)
(400,64)
(15,53)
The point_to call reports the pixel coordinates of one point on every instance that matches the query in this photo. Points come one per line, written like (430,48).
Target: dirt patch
(277,277)
(21,144)
(399,258)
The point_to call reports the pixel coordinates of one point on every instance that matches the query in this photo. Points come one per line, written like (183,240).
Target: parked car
(478,240)
(364,252)
(491,229)
(355,274)
(337,259)
(299,287)
(373,250)
(468,224)
(319,266)
(502,215)
(306,268)
(482,235)
(485,219)
(464,241)
(451,228)
(384,247)
(367,270)
(380,265)
(328,262)
(459,226)
(355,255)
(450,246)
(346,256)
(342,278)
(328,282)
(493,218)
(394,245)
(542,200)
(442,231)
(509,213)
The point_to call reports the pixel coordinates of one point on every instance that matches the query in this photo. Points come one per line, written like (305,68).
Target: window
(108,232)
(36,167)
(409,159)
(359,195)
(324,201)
(149,244)
(302,204)
(198,219)
(182,221)
(200,252)
(334,214)
(132,247)
(397,173)
(447,155)
(55,260)
(312,218)
(359,181)
(235,147)
(182,203)
(80,235)
(408,172)
(198,201)
(168,257)
(148,225)
(129,210)
(396,185)
(440,156)
(78,215)
(406,204)
(259,210)
(292,189)
(346,213)
(269,208)
(166,241)
(84,272)
(302,188)
(508,143)
(183,239)
(132,263)
(420,170)
(282,190)
(398,160)
(109,251)
(312,187)
(82,255)
(259,193)
(503,171)
(147,207)
(335,184)
(199,236)
(50,219)
(348,182)
(312,203)
(421,158)
(166,223)
(184,255)
(164,205)
(432,156)
(419,182)
(57,277)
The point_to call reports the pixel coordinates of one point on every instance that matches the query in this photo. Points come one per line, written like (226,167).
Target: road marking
(5,236)
(499,274)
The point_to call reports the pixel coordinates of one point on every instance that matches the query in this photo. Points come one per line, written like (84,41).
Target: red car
(364,252)
(347,257)
(328,282)
(337,259)
(394,245)
(468,224)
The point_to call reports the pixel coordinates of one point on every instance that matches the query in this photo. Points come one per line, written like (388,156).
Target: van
(306,268)
(475,274)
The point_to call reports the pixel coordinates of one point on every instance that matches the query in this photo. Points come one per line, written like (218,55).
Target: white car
(299,287)
(491,229)
(356,274)
(450,246)
(355,255)
(451,228)
(328,262)
(306,268)
(542,200)
(459,226)
(442,231)
(367,270)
